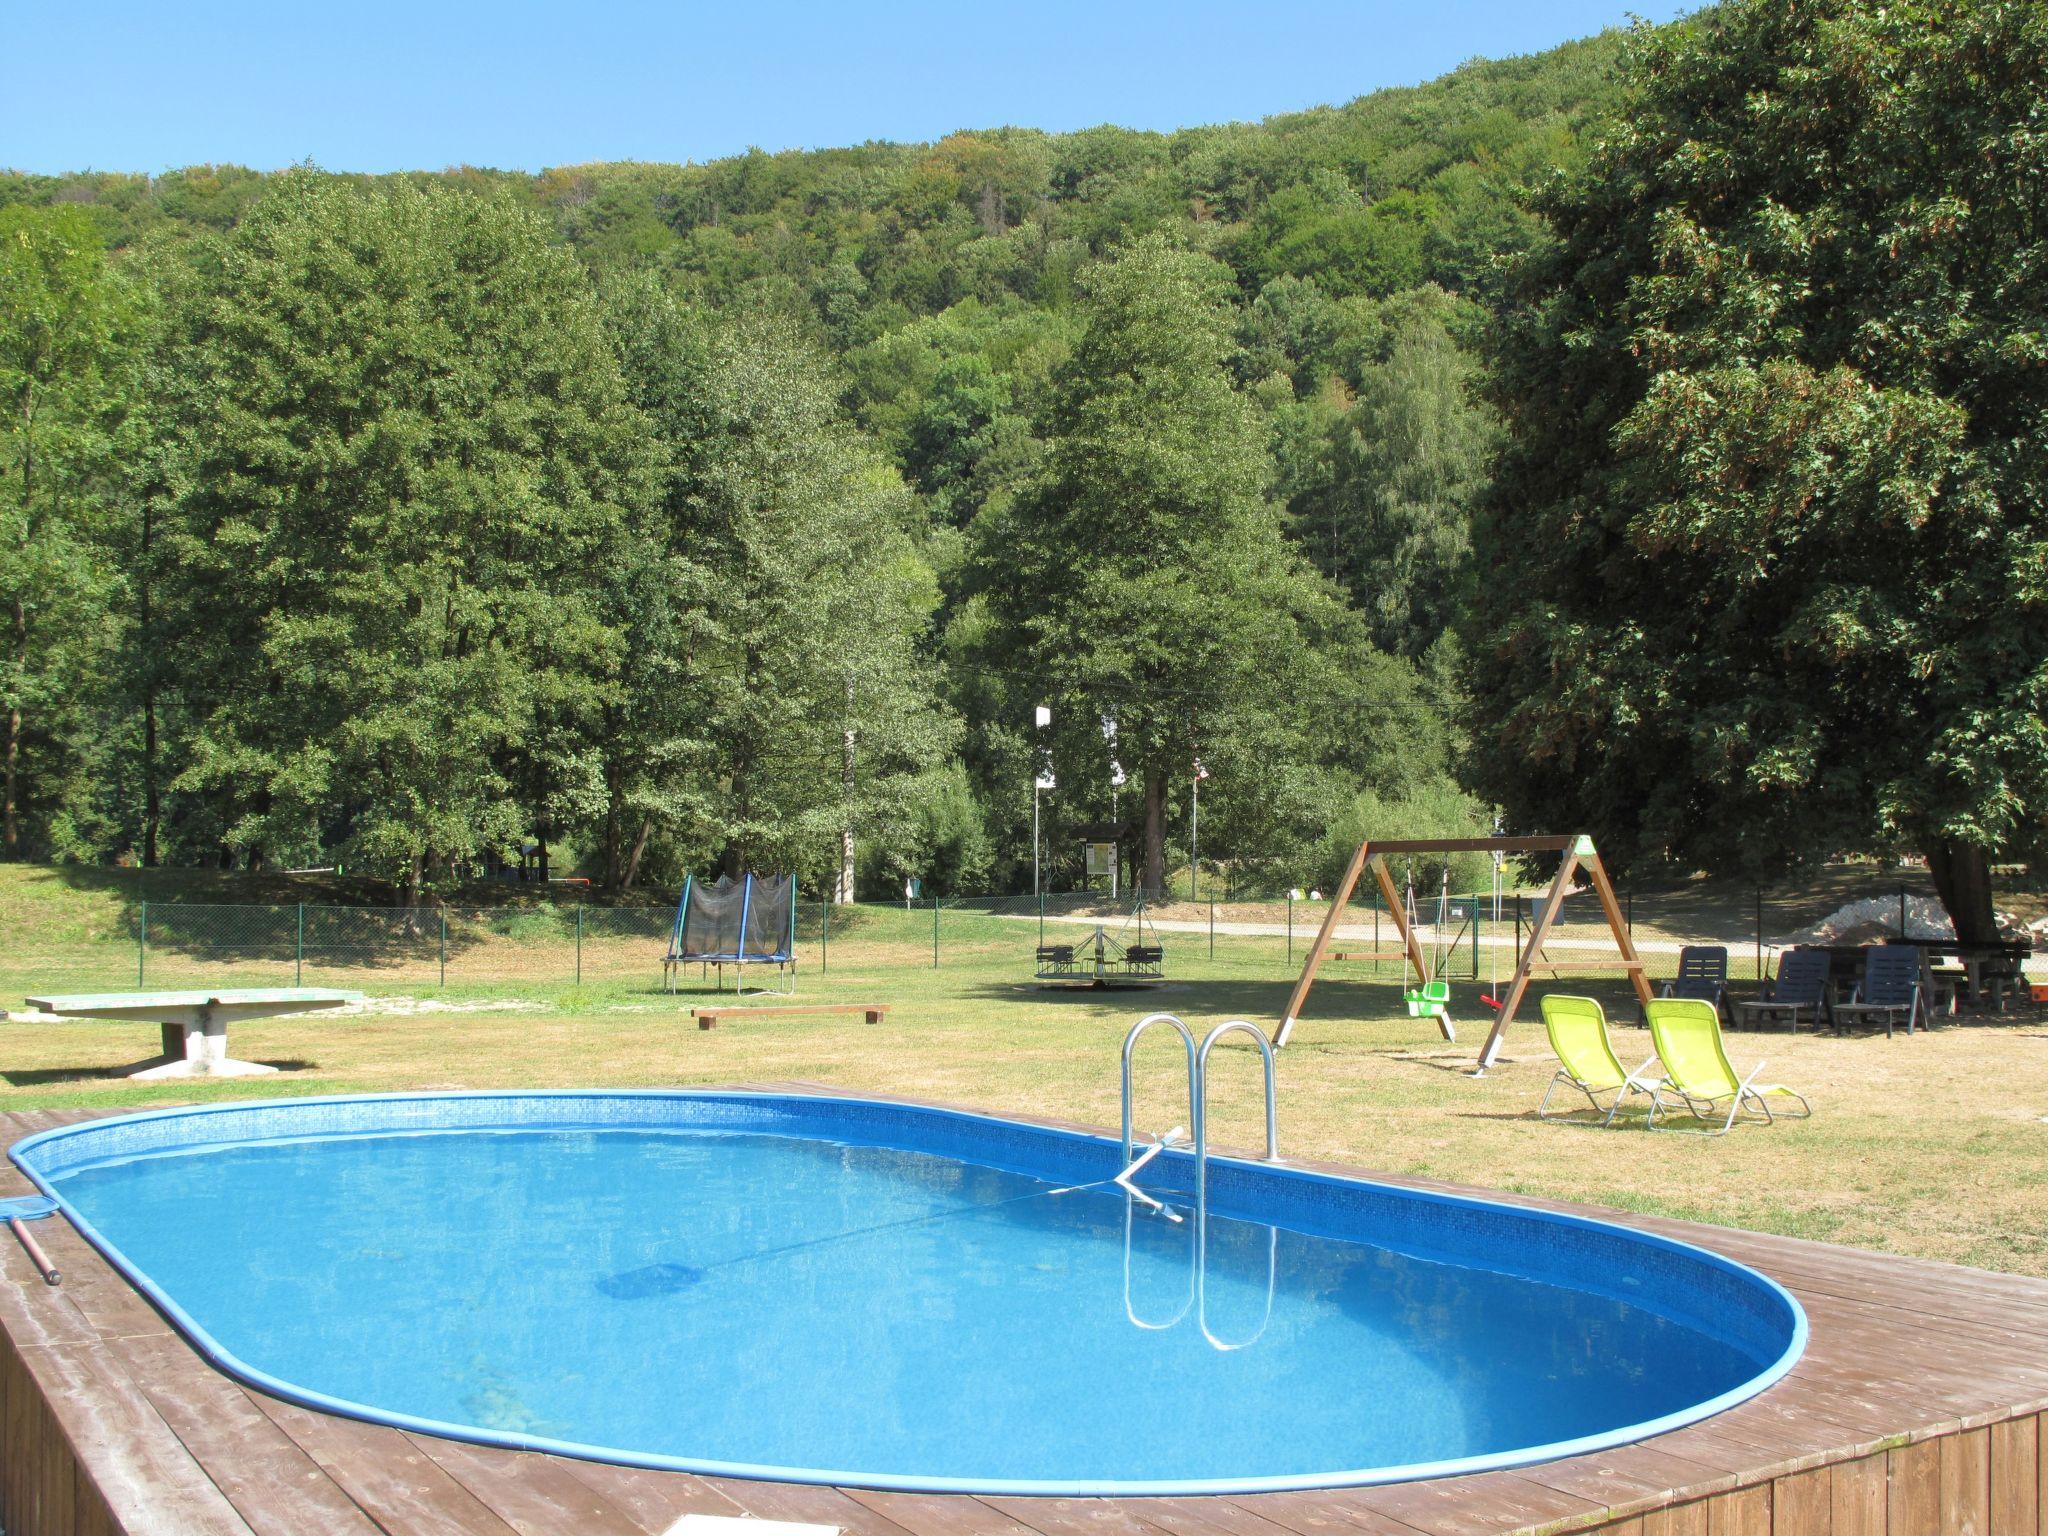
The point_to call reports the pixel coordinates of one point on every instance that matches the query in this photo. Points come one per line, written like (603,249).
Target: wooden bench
(707,1018)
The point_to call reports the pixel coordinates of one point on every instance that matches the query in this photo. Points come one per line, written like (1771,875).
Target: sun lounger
(1890,991)
(1801,992)
(1586,1059)
(1687,1033)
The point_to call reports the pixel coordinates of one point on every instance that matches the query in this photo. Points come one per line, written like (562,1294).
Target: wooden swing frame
(1577,853)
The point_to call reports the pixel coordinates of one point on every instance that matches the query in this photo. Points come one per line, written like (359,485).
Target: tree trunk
(10,837)
(614,804)
(842,884)
(152,800)
(1155,832)
(152,804)
(1962,878)
(638,850)
(413,872)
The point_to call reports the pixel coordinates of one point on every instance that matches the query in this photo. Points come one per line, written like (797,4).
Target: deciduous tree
(1767,550)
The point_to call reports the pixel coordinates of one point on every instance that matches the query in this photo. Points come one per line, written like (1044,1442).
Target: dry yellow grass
(1933,1145)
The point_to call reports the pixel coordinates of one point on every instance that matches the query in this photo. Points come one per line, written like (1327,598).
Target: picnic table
(194,1024)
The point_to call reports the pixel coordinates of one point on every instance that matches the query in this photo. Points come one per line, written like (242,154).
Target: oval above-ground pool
(883,1295)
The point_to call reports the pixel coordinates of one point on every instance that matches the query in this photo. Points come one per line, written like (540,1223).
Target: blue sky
(373,85)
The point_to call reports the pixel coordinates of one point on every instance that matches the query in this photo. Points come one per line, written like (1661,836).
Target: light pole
(1195,833)
(1041,780)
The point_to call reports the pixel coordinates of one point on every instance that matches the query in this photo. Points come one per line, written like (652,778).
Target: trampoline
(736,923)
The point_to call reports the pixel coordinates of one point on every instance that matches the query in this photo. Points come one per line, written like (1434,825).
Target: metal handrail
(1199,1091)
(1230,1026)
(1225,1346)
(1187,1039)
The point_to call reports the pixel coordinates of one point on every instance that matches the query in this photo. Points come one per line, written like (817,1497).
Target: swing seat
(1431,997)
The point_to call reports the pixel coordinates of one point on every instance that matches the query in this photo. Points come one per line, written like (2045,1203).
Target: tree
(1768,537)
(66,324)
(817,711)
(401,446)
(1408,462)
(1144,578)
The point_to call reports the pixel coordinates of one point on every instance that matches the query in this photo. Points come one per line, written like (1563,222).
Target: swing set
(1430,994)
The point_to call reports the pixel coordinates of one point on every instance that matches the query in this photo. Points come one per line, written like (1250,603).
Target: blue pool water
(874,1294)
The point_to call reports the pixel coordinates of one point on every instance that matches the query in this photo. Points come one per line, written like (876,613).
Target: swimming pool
(884,1295)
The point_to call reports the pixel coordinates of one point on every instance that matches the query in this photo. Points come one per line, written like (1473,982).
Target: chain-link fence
(1471,940)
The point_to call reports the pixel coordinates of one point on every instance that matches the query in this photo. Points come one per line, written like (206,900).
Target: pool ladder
(1198,1115)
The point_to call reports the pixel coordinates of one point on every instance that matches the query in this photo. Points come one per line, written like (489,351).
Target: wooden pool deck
(1919,1409)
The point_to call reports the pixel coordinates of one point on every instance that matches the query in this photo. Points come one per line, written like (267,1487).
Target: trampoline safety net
(733,921)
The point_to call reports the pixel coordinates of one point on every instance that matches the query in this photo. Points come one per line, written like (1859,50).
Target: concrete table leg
(196,1047)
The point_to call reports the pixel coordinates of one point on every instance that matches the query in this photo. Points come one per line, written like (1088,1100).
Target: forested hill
(938,334)
(1396,188)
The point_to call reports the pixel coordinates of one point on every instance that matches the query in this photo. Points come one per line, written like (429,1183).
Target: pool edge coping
(208,1349)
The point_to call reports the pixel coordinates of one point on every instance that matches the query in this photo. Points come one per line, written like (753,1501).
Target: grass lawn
(1934,1145)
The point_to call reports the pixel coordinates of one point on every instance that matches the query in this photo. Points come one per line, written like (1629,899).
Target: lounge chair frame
(1914,1006)
(1772,1006)
(1703,1107)
(1631,1083)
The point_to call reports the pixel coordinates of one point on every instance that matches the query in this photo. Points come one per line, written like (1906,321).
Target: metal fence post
(1760,935)
(142,943)
(1041,919)
(1212,928)
(299,950)
(1476,909)
(825,936)
(443,911)
(1902,911)
(1290,927)
(579,943)
(935,933)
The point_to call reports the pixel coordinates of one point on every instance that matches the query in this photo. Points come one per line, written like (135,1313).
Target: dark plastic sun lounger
(1889,992)
(1801,992)
(1702,975)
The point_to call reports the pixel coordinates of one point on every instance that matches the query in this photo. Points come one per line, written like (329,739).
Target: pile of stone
(1876,918)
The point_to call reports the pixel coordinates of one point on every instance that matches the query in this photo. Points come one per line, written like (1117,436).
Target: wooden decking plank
(36,1315)
(1965,1472)
(1070,1517)
(273,1484)
(1743,1513)
(103,1297)
(1859,1494)
(2016,1478)
(1804,1504)
(1679,1520)
(1913,1490)
(655,1499)
(1902,1350)
(812,1503)
(1322,1512)
(1633,1479)
(1474,1506)
(530,1492)
(942,1514)
(1204,1517)
(146,1475)
(399,1486)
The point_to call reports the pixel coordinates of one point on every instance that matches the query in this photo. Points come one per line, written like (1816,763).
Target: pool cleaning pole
(36,1256)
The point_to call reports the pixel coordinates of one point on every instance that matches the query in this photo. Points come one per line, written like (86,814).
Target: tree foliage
(1767,535)
(401,442)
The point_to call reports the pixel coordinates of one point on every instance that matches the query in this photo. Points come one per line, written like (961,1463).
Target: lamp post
(1195,833)
(1042,779)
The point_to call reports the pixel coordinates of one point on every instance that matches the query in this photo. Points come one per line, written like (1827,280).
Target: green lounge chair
(1586,1059)
(1687,1032)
